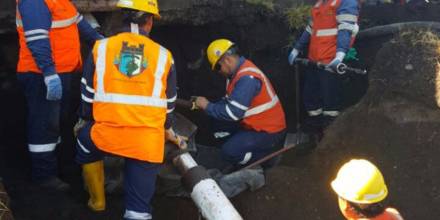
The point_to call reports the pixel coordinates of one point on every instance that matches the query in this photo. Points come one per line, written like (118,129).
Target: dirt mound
(396,125)
(5,212)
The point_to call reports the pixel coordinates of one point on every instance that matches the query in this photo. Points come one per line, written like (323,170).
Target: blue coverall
(244,146)
(137,174)
(43,116)
(322,89)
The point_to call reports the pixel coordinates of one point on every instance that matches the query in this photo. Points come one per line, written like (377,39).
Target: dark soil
(396,129)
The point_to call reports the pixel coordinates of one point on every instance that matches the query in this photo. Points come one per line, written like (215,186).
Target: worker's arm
(88,33)
(37,21)
(233,108)
(87,90)
(302,42)
(304,39)
(171,93)
(347,18)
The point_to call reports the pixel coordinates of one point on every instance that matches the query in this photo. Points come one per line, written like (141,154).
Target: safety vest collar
(154,100)
(237,68)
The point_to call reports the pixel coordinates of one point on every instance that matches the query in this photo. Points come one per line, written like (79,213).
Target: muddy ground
(298,188)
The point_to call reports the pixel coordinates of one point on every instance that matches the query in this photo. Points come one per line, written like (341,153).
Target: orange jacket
(265,112)
(63,35)
(130,102)
(388,214)
(350,214)
(323,40)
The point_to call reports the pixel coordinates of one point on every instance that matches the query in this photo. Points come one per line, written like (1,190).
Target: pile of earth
(5,211)
(396,126)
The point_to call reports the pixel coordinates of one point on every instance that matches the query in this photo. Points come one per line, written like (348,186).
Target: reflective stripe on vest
(63,36)
(327,32)
(266,106)
(102,96)
(57,24)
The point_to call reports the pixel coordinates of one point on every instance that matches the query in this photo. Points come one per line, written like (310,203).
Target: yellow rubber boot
(93,174)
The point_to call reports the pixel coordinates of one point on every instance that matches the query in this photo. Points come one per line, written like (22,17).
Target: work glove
(292,56)
(80,124)
(201,102)
(54,87)
(333,65)
(178,140)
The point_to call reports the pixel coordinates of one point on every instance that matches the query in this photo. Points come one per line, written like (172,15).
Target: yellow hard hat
(360,181)
(149,6)
(217,49)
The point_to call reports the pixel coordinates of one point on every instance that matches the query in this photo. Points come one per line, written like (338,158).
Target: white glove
(178,140)
(54,87)
(80,124)
(336,61)
(292,56)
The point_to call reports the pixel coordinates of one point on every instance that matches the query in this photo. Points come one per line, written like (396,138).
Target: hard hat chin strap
(134,28)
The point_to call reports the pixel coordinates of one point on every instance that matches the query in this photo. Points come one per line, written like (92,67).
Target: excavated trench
(263,36)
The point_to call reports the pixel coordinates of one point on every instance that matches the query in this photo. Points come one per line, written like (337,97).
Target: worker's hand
(333,65)
(178,140)
(80,124)
(54,87)
(201,102)
(193,103)
(292,56)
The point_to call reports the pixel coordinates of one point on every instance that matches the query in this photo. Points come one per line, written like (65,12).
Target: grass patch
(298,16)
(265,3)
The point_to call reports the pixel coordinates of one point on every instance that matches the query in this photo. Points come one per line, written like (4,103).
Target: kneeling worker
(250,100)
(128,92)
(361,189)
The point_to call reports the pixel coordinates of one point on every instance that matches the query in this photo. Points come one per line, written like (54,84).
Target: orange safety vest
(323,40)
(350,214)
(63,36)
(388,214)
(130,103)
(265,112)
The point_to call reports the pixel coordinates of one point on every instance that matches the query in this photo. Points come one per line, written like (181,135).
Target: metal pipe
(205,192)
(342,68)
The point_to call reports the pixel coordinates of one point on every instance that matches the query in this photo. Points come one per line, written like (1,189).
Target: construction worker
(329,35)
(361,189)
(49,59)
(250,99)
(128,93)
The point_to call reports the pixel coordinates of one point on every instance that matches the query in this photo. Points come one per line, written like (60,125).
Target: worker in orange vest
(250,100)
(128,93)
(48,65)
(328,36)
(361,189)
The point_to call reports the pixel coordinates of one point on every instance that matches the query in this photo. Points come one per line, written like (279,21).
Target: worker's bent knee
(86,150)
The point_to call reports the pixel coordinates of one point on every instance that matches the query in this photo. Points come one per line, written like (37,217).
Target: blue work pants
(322,96)
(247,146)
(43,121)
(139,176)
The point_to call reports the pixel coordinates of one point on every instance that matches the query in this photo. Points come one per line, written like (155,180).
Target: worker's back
(130,102)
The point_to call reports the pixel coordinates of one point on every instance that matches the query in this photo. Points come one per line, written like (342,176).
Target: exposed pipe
(205,192)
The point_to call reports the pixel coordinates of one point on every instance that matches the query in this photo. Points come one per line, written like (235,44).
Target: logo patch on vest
(131,60)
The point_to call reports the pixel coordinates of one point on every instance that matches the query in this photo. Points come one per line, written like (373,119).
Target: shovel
(298,137)
(292,139)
